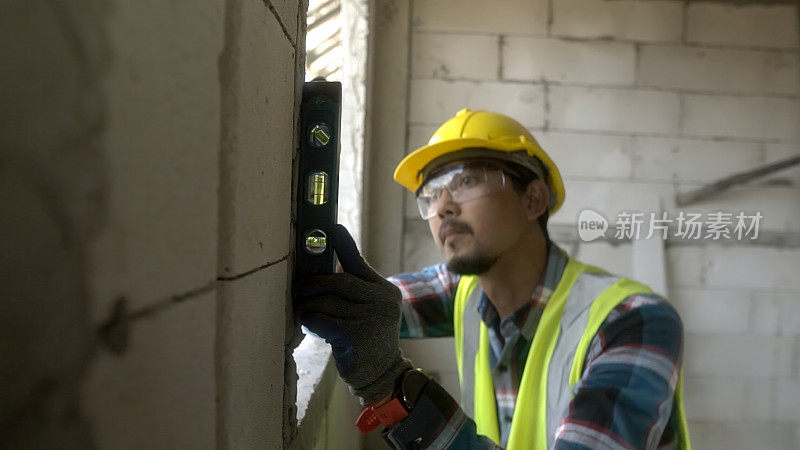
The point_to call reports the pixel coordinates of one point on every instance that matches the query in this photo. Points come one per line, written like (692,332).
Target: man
(552,353)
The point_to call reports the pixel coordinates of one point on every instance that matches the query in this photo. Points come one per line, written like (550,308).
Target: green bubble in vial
(316,242)
(318,188)
(320,135)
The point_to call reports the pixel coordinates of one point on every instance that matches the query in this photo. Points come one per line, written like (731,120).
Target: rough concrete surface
(257,140)
(51,198)
(161,393)
(250,353)
(161,146)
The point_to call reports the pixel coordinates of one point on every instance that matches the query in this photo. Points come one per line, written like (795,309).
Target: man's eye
(467,181)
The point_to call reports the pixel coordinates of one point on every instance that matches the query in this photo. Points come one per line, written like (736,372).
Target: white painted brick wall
(777,152)
(466,56)
(750,25)
(533,59)
(718,398)
(742,436)
(741,356)
(712,311)
(777,205)
(598,109)
(512,16)
(435,101)
(745,117)
(787,399)
(724,70)
(753,267)
(614,258)
(691,160)
(588,155)
(608,198)
(686,265)
(659,21)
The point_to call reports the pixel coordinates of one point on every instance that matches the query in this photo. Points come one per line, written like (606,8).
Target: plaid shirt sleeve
(428,299)
(623,400)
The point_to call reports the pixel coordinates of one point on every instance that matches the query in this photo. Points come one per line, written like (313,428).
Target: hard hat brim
(409,172)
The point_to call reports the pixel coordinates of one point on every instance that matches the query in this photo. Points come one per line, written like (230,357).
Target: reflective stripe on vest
(582,300)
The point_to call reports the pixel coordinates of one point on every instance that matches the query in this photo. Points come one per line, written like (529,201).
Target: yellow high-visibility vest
(581,302)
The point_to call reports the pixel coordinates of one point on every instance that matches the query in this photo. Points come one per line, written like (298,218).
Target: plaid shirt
(624,398)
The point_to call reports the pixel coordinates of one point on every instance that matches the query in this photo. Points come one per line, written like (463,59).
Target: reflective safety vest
(573,315)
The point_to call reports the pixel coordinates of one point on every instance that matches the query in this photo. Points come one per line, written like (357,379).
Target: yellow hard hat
(478,129)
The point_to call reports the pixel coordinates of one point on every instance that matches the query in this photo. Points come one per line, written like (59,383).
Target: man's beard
(471,264)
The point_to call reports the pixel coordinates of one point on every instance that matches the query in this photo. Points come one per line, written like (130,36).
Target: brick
(160,393)
(161,154)
(724,70)
(533,59)
(659,21)
(777,205)
(254,182)
(748,356)
(690,160)
(751,25)
(710,398)
(609,198)
(516,16)
(462,56)
(753,267)
(747,117)
(433,101)
(712,311)
(741,436)
(787,400)
(759,400)
(614,258)
(588,155)
(686,265)
(765,316)
(776,152)
(776,313)
(250,382)
(597,109)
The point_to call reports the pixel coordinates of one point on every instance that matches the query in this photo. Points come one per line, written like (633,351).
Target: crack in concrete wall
(280,22)
(252,271)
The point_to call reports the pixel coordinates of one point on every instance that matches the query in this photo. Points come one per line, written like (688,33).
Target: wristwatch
(407,390)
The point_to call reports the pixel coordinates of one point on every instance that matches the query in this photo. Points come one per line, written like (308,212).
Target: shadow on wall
(50,197)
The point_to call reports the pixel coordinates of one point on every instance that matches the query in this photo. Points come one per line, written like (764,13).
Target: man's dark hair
(521,177)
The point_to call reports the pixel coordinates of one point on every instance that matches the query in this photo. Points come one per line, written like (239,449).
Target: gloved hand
(357,312)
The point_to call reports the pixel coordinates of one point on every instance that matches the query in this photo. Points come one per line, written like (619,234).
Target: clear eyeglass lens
(463,184)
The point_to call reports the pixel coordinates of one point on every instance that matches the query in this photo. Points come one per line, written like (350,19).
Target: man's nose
(445,206)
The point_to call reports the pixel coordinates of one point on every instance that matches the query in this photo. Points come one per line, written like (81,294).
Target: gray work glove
(357,312)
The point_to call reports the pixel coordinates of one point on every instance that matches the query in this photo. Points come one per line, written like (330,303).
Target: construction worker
(552,353)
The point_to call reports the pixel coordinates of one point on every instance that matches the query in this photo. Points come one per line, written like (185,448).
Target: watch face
(413,384)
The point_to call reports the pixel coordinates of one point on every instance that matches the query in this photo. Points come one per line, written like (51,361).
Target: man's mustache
(451,224)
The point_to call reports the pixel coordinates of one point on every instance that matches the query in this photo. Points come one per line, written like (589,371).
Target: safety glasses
(463,182)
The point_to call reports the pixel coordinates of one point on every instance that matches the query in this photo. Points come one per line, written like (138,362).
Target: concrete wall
(146,189)
(634,100)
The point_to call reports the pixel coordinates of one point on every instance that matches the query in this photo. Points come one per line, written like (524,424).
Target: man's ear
(536,198)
